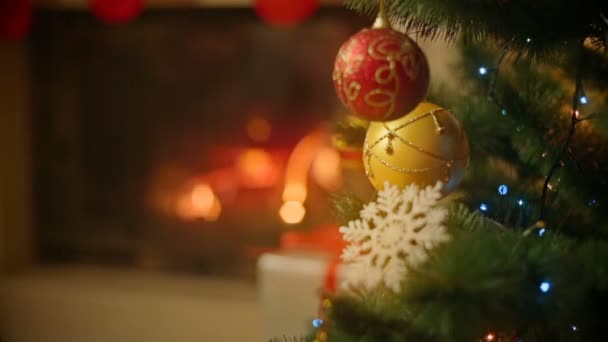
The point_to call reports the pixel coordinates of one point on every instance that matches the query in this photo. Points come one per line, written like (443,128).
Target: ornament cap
(382,18)
(381,22)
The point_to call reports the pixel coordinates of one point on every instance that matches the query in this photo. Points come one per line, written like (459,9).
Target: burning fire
(203,197)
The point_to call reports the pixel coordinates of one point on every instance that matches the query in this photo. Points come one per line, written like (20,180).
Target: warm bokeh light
(490,337)
(214,213)
(295,192)
(292,212)
(202,198)
(163,184)
(256,169)
(259,129)
(299,164)
(326,169)
(185,210)
(224,183)
(200,203)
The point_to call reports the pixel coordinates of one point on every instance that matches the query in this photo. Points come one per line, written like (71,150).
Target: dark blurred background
(128,120)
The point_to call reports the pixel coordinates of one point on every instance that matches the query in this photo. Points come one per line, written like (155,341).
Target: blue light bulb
(483,70)
(483,207)
(503,189)
(317,322)
(542,231)
(520,202)
(545,286)
(583,100)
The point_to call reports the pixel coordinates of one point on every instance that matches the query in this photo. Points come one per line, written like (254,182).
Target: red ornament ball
(15,18)
(285,12)
(381,74)
(117,11)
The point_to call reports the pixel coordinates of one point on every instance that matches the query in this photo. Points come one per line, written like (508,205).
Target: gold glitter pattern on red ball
(380,74)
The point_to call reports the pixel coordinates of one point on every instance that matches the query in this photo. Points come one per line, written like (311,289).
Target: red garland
(116,11)
(285,12)
(15,18)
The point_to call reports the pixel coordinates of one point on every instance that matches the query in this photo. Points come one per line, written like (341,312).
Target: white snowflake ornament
(394,232)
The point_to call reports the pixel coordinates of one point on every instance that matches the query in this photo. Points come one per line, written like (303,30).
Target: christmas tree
(517,250)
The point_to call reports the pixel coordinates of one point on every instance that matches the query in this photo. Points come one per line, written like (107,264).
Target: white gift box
(288,288)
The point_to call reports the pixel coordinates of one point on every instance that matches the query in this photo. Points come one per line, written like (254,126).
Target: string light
(545,286)
(483,70)
(503,189)
(583,100)
(579,92)
(528,40)
(520,202)
(490,337)
(542,231)
(503,112)
(317,322)
(574,328)
(592,203)
(483,207)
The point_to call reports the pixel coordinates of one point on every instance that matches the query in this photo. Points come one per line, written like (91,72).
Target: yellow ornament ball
(425,146)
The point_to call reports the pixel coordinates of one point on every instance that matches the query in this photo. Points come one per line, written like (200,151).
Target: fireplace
(164,143)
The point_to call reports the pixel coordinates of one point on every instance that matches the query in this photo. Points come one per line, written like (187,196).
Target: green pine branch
(487,279)
(539,28)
